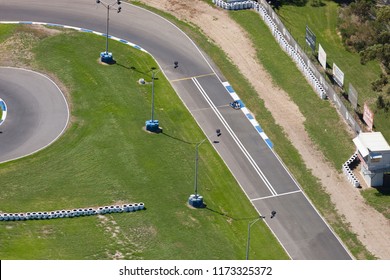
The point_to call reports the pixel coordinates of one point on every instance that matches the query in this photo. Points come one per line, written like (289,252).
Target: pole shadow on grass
(228,216)
(178,139)
(132,68)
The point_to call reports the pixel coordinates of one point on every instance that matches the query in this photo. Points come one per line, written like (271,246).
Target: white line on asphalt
(272,196)
(235,138)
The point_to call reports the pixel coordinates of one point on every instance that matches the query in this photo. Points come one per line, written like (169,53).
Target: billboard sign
(338,75)
(368,117)
(353,96)
(310,38)
(322,56)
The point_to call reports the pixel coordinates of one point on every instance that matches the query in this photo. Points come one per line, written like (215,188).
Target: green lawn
(323,22)
(380,200)
(106,157)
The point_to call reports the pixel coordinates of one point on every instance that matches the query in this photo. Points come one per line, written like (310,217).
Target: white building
(374,154)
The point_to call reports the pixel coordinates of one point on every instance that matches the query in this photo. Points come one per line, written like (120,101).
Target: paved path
(37,113)
(267,184)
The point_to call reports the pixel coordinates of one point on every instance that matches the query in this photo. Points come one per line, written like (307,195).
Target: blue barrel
(141,206)
(5,217)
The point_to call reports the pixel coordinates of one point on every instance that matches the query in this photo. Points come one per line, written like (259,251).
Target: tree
(365,28)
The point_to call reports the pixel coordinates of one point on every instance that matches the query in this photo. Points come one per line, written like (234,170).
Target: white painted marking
(235,138)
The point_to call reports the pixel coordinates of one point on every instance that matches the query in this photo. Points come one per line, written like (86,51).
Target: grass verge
(380,200)
(105,157)
(283,146)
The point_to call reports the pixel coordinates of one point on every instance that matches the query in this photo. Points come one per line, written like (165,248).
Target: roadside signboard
(353,96)
(310,38)
(322,56)
(338,75)
(368,117)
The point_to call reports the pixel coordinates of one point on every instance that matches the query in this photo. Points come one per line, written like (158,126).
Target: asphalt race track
(261,175)
(37,113)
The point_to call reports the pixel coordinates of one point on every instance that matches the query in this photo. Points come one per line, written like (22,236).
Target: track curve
(37,112)
(262,176)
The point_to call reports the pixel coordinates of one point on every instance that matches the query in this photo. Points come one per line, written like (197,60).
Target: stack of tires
(72,213)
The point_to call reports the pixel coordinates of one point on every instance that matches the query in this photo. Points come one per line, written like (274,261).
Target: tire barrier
(72,213)
(348,172)
(3,108)
(234,5)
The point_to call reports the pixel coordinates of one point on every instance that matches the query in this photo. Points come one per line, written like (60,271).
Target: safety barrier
(72,213)
(237,5)
(3,108)
(292,48)
(348,172)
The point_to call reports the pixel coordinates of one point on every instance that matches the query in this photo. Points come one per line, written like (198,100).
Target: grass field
(105,157)
(379,200)
(323,22)
(283,146)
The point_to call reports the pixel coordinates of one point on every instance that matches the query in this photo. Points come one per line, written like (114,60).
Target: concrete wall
(372,179)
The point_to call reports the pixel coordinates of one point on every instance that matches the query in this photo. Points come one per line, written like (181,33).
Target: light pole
(250,224)
(196,200)
(153,125)
(105,56)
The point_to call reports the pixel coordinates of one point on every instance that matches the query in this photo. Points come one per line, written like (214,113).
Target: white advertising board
(322,56)
(353,96)
(338,75)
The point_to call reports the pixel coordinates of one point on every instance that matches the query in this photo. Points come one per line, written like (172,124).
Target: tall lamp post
(250,224)
(105,56)
(196,200)
(153,125)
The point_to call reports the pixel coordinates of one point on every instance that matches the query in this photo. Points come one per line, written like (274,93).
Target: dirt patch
(18,47)
(366,222)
